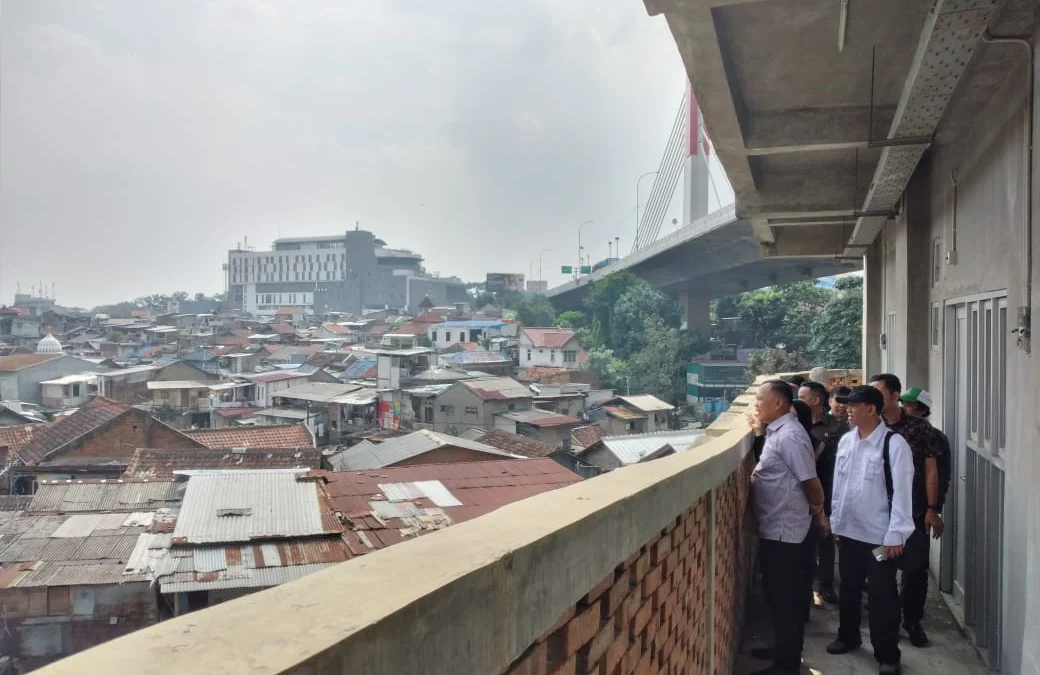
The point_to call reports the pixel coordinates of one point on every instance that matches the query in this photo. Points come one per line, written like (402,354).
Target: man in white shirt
(871,510)
(786,498)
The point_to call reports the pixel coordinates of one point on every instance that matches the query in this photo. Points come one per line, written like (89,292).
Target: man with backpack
(931,478)
(871,516)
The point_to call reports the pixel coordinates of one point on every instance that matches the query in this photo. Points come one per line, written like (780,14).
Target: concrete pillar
(695,310)
(873,308)
(918,291)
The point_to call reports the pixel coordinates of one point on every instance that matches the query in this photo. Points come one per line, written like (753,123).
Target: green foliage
(612,371)
(836,332)
(657,368)
(482,299)
(571,319)
(639,303)
(533,309)
(769,361)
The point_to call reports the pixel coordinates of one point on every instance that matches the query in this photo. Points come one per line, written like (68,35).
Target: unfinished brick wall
(669,609)
(136,429)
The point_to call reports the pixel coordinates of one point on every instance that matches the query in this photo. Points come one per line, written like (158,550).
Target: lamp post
(638,181)
(577,272)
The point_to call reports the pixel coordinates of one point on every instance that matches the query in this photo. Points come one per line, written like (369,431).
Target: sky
(141,139)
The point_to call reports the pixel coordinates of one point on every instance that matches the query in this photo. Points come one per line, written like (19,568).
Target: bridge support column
(695,309)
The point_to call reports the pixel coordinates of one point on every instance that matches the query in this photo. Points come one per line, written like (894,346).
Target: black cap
(864,394)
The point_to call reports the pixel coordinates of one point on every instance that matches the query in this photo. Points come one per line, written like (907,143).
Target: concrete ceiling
(819,143)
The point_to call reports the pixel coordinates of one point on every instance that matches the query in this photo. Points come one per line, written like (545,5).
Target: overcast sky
(141,139)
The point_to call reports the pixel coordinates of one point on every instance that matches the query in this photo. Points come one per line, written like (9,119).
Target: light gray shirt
(859,507)
(781,507)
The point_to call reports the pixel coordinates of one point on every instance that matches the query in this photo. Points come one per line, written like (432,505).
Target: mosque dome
(48,345)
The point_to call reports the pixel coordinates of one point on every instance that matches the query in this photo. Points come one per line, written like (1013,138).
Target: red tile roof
(549,338)
(516,445)
(156,464)
(411,328)
(16,362)
(481,487)
(282,328)
(588,435)
(91,416)
(16,436)
(289,436)
(622,413)
(337,329)
(237,412)
(428,318)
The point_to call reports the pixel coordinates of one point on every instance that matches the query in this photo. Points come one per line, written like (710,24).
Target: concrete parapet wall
(642,570)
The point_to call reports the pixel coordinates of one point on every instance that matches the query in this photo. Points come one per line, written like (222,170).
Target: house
(328,410)
(514,444)
(160,464)
(493,363)
(339,332)
(21,374)
(12,438)
(96,441)
(68,391)
(585,437)
(420,447)
(447,333)
(548,427)
(294,316)
(75,572)
(637,414)
(228,541)
(287,436)
(474,403)
(614,452)
(127,385)
(550,347)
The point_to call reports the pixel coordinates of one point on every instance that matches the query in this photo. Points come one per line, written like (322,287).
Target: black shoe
(762,653)
(775,670)
(918,637)
(839,647)
(829,596)
(890,669)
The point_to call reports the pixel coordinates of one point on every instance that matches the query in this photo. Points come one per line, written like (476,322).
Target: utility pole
(577,272)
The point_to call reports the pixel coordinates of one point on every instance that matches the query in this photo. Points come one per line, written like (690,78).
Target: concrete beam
(809,241)
(696,311)
(812,129)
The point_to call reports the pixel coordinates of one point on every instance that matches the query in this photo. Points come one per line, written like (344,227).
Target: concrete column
(918,292)
(695,310)
(873,308)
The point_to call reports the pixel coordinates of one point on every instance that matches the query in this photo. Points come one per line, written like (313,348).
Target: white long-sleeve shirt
(859,507)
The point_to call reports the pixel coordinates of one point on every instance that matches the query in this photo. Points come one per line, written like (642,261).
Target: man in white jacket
(871,515)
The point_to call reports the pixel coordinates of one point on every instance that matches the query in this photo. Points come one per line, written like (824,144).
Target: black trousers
(914,564)
(809,546)
(825,553)
(784,583)
(856,565)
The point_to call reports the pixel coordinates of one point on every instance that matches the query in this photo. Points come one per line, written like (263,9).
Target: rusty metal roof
(16,362)
(622,413)
(103,496)
(367,455)
(385,506)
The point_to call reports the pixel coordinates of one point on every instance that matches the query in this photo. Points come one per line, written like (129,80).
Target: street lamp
(539,259)
(578,271)
(638,181)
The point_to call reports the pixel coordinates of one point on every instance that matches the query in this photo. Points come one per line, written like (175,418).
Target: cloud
(142,140)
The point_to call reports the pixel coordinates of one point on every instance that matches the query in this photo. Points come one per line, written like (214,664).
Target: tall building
(352,272)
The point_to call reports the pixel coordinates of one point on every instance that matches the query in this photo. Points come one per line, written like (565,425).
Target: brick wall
(136,429)
(449,455)
(652,614)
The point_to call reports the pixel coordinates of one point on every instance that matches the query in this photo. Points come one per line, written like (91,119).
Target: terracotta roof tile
(286,436)
(16,436)
(155,464)
(623,413)
(588,435)
(282,328)
(480,487)
(16,362)
(92,415)
(549,338)
(516,445)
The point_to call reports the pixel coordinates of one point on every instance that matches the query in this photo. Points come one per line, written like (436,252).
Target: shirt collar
(778,423)
(876,437)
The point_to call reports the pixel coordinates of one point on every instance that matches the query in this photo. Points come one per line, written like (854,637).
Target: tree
(603,296)
(637,304)
(612,371)
(482,299)
(837,331)
(770,361)
(533,309)
(570,319)
(657,368)
(200,297)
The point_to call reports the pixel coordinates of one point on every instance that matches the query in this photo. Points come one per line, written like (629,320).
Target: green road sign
(566,269)
(586,269)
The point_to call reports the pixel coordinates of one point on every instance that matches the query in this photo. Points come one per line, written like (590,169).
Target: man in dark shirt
(927,445)
(826,431)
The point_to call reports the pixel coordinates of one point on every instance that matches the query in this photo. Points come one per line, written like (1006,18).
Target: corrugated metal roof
(637,447)
(320,392)
(88,574)
(94,496)
(497,388)
(647,403)
(258,578)
(273,502)
(105,548)
(375,455)
(623,413)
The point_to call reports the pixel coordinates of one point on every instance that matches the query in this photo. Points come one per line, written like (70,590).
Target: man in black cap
(871,514)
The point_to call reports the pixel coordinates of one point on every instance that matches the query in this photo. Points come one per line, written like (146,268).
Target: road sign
(586,269)
(566,269)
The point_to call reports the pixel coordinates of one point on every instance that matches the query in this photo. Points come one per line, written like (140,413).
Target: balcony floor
(949,653)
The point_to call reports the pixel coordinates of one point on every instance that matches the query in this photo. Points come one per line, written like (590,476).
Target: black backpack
(888,467)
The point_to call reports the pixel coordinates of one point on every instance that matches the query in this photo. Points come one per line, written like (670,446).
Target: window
(75,390)
(937,261)
(528,354)
(448,409)
(433,336)
(570,356)
(471,411)
(462,336)
(511,407)
(552,356)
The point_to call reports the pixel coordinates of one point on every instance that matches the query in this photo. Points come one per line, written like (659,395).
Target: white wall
(531,356)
